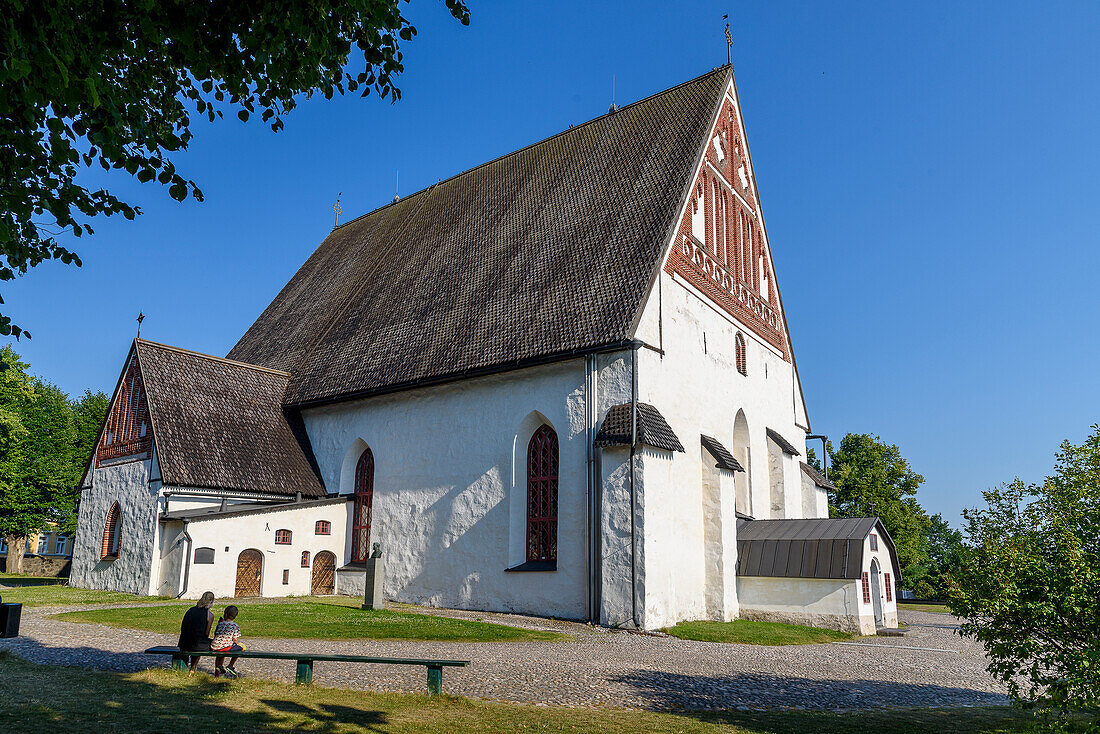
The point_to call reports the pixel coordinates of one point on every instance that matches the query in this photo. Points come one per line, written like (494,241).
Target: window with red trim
(286,576)
(282,537)
(361,514)
(323,527)
(889,590)
(866,588)
(739,348)
(542,495)
(112,533)
(305,559)
(874,542)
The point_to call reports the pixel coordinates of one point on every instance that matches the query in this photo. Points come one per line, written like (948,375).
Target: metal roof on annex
(821,548)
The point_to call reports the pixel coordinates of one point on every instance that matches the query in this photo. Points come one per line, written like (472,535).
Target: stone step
(890,632)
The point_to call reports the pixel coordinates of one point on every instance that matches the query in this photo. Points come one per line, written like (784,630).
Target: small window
(866,588)
(59,546)
(305,559)
(204,555)
(323,527)
(112,530)
(43,544)
(874,542)
(282,537)
(286,576)
(889,591)
(739,349)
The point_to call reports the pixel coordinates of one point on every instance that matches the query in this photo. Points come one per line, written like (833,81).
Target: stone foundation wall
(52,566)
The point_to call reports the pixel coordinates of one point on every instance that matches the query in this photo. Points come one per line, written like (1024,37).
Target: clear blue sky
(929,174)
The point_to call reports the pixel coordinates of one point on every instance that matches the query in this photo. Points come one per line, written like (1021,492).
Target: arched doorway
(876,592)
(364,499)
(250,566)
(324,574)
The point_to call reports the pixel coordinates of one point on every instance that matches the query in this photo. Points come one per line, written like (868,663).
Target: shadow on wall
(161,709)
(674,691)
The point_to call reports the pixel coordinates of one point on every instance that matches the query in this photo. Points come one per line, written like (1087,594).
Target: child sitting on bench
(226,637)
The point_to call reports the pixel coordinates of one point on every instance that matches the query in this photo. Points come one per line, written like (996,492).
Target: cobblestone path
(932,666)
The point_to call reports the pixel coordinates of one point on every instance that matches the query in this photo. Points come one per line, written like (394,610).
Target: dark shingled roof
(783,443)
(816,477)
(822,548)
(541,254)
(721,455)
(219,424)
(653,429)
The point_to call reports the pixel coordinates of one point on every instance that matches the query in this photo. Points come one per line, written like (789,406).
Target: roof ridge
(226,360)
(569,129)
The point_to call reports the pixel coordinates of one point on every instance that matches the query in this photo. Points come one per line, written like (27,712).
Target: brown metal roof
(219,424)
(724,458)
(653,429)
(782,443)
(542,254)
(823,548)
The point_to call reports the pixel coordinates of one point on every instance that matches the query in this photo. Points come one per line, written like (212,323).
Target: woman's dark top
(193,630)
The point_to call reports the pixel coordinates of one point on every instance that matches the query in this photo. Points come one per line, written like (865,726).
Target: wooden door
(250,566)
(324,574)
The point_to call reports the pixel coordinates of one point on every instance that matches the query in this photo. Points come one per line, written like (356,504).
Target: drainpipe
(824,451)
(592,509)
(186,562)
(633,501)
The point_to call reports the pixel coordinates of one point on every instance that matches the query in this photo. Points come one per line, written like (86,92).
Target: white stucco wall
(231,535)
(830,603)
(137,568)
(450,483)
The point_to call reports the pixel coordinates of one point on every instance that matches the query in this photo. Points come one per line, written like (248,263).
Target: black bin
(9,619)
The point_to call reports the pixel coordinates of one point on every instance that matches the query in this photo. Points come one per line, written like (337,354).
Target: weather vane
(336,208)
(140,318)
(729,39)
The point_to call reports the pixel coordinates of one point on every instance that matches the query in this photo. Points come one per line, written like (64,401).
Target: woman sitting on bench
(195,630)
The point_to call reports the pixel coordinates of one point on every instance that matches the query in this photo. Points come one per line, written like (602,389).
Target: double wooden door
(324,574)
(250,566)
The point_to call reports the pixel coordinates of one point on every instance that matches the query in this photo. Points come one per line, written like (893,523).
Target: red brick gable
(726,256)
(127,432)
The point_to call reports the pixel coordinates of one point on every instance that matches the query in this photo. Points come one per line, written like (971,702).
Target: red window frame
(542,495)
(361,513)
(739,344)
(112,533)
(286,576)
(283,537)
(866,588)
(322,527)
(305,559)
(889,590)
(874,542)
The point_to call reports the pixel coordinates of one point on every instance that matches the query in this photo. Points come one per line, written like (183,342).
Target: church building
(560,383)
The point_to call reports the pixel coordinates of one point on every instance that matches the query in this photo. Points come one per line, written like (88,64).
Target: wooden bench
(305,661)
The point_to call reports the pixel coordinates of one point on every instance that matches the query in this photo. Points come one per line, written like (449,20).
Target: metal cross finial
(729,39)
(140,318)
(337,209)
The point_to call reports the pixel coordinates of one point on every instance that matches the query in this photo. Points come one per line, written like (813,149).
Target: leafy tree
(16,391)
(873,479)
(88,415)
(1028,581)
(115,84)
(944,549)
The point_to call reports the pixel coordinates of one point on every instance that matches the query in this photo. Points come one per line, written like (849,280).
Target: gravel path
(931,666)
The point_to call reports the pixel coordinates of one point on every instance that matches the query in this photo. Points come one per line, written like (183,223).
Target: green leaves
(116,84)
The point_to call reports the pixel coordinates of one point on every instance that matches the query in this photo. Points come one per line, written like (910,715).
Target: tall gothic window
(112,532)
(739,348)
(542,495)
(364,497)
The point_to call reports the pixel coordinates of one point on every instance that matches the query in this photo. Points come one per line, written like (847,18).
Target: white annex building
(560,383)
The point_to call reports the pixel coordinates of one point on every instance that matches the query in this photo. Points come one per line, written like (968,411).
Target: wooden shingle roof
(219,424)
(542,254)
(652,428)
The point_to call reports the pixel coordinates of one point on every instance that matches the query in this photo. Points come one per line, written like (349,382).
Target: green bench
(305,661)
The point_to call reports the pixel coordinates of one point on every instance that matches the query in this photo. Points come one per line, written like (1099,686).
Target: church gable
(720,247)
(127,434)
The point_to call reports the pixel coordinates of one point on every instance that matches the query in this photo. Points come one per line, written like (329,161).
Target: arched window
(364,497)
(112,532)
(542,495)
(305,559)
(739,348)
(282,537)
(323,527)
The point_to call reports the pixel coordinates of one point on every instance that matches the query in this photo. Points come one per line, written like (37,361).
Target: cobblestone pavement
(931,666)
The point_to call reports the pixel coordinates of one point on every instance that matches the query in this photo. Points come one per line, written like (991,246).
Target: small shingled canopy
(817,548)
(724,458)
(653,429)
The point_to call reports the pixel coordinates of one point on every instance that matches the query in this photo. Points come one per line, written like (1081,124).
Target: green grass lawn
(328,619)
(748,632)
(40,698)
(942,608)
(47,595)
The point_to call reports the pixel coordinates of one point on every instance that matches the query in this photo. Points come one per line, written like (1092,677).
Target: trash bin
(9,619)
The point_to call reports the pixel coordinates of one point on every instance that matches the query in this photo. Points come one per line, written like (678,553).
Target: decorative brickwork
(112,533)
(724,255)
(127,433)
